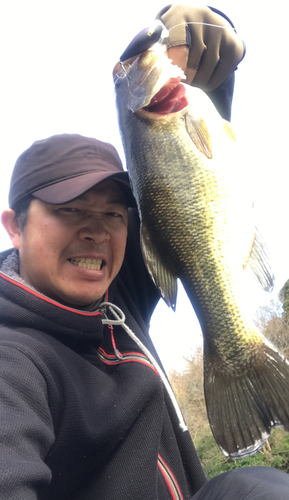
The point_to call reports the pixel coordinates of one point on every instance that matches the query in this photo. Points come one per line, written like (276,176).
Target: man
(84,411)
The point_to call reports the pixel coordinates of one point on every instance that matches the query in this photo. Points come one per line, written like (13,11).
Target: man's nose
(94,229)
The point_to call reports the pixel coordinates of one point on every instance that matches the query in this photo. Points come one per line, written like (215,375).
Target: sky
(56,61)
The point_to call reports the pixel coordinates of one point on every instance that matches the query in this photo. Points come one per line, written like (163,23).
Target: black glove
(214,52)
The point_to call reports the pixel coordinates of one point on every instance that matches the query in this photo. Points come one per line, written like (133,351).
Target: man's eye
(113,214)
(70,209)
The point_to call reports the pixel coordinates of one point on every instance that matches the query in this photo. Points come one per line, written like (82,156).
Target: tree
(284,298)
(188,387)
(273,320)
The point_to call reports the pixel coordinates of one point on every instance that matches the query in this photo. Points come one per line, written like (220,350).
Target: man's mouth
(93,264)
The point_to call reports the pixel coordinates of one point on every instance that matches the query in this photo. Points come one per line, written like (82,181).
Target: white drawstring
(120,320)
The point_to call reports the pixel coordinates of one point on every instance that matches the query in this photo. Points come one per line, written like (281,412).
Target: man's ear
(12,227)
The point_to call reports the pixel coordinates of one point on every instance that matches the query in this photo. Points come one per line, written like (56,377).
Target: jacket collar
(24,306)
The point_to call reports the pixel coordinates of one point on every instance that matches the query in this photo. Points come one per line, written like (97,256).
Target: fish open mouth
(171,98)
(93,264)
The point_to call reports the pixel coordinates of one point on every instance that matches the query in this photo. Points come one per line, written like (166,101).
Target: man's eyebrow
(117,200)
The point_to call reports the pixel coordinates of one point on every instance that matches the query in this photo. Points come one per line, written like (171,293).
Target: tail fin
(243,408)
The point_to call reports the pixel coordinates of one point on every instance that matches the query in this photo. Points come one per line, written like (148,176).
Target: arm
(26,432)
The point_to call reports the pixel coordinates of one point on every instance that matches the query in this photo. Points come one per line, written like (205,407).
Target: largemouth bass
(175,145)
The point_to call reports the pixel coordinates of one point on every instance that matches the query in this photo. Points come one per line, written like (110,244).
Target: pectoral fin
(162,276)
(258,260)
(198,131)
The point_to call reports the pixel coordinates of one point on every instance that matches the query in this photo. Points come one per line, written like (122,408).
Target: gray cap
(60,168)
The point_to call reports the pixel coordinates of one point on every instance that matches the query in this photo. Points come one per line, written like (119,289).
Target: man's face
(72,252)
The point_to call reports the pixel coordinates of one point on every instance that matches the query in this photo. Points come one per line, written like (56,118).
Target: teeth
(94,264)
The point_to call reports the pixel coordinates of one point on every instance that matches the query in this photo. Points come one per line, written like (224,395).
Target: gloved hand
(207,54)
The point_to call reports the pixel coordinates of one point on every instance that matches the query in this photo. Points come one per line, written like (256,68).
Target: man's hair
(21,212)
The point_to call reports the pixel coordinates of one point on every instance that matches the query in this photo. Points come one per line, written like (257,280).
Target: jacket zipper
(111,359)
(170,479)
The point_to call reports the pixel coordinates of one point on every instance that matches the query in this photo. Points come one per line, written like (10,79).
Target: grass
(275,453)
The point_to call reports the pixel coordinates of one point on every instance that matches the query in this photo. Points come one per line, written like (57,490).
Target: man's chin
(84,302)
(85,306)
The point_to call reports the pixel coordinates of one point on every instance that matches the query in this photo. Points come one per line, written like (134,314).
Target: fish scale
(194,225)
(192,221)
(182,171)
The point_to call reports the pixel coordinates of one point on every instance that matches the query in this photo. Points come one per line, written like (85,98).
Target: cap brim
(69,189)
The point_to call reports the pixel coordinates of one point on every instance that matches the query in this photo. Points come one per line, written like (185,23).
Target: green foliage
(275,453)
(279,457)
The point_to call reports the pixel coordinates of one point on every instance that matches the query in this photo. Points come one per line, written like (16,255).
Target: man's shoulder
(32,343)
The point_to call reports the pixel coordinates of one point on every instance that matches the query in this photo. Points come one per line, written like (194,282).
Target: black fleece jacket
(77,422)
